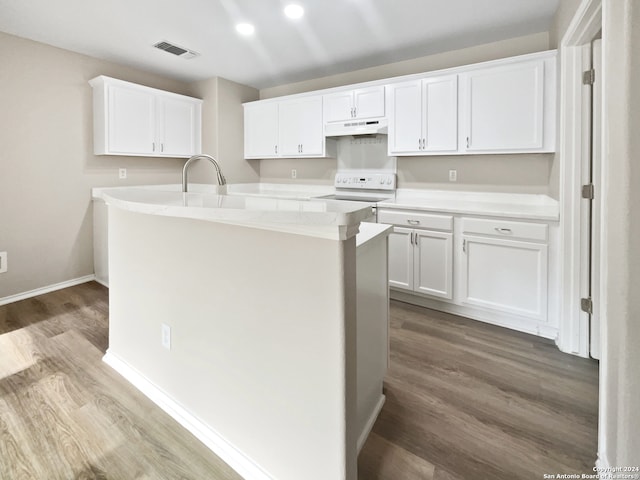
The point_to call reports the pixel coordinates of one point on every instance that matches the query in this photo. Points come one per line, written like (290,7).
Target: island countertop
(317,218)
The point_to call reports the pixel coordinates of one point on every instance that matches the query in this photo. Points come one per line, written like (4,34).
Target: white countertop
(371,231)
(332,220)
(512,205)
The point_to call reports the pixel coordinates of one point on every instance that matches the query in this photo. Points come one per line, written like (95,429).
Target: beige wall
(505,173)
(621,364)
(47,167)
(223,130)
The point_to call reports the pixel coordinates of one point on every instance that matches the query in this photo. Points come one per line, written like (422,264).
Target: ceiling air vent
(176,50)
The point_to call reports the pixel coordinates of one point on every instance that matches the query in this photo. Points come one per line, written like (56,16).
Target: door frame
(573,335)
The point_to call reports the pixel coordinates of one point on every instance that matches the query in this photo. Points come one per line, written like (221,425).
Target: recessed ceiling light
(245,28)
(293,11)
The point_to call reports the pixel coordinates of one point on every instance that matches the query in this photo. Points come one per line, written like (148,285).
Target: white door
(440,107)
(433,263)
(177,127)
(405,122)
(132,121)
(311,132)
(401,258)
(369,102)
(504,107)
(338,106)
(301,130)
(506,275)
(261,130)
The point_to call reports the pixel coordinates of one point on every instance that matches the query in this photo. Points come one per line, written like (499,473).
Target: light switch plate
(3,262)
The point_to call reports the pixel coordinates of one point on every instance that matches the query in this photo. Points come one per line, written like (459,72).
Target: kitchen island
(237,315)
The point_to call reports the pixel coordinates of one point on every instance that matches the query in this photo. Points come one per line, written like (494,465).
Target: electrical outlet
(166,336)
(122,173)
(294,173)
(3,262)
(453,175)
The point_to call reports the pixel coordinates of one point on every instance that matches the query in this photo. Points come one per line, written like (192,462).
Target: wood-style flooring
(465,401)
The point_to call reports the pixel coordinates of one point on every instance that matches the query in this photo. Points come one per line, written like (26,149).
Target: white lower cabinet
(505,275)
(420,260)
(489,269)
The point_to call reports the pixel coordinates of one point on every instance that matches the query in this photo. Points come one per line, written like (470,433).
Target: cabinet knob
(503,230)
(153,145)
(413,222)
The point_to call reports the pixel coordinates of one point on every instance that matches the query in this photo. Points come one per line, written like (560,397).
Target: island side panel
(260,325)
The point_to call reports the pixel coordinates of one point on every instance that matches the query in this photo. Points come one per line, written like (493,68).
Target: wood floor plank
(381,459)
(465,401)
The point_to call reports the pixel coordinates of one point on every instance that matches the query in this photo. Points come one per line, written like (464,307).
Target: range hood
(354,128)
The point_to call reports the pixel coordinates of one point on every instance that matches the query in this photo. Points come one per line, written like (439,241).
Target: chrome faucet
(185,169)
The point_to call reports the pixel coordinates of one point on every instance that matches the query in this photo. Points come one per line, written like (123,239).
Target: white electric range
(365,172)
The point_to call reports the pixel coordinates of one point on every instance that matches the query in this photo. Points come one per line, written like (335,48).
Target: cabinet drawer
(416,219)
(503,228)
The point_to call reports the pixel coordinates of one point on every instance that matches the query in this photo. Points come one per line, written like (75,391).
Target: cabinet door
(440,107)
(338,106)
(301,132)
(405,118)
(433,263)
(504,107)
(507,275)
(132,121)
(261,130)
(178,126)
(401,258)
(369,102)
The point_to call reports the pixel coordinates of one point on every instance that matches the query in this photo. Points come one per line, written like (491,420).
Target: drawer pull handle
(413,222)
(503,230)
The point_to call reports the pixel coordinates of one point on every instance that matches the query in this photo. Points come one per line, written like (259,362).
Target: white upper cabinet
(286,129)
(502,106)
(261,130)
(509,108)
(131,119)
(179,122)
(424,116)
(351,104)
(301,129)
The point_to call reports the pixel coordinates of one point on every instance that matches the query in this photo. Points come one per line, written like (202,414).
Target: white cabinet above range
(359,103)
(131,119)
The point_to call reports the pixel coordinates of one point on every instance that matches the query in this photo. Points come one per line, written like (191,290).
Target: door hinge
(586,305)
(588,191)
(589,77)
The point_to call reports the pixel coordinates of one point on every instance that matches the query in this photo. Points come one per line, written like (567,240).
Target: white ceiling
(334,36)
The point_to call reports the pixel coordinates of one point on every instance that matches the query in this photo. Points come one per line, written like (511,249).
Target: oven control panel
(366,181)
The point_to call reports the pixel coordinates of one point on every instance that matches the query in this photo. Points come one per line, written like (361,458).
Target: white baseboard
(102,282)
(231,455)
(369,425)
(49,288)
(602,465)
